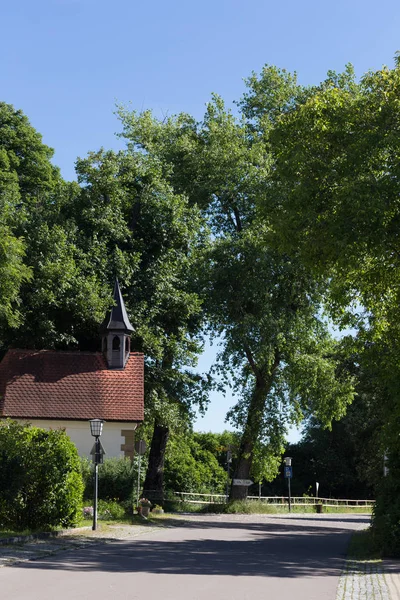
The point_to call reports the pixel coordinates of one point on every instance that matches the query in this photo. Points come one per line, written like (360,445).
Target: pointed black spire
(116,329)
(117,319)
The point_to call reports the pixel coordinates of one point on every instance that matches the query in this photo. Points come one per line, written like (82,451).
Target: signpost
(288,475)
(228,467)
(140,449)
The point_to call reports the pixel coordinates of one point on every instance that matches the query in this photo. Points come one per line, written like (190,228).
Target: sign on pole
(102,452)
(140,447)
(245,482)
(288,472)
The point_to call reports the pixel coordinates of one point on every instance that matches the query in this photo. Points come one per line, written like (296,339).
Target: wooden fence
(276,500)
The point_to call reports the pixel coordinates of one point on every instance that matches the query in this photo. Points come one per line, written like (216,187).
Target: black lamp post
(96,427)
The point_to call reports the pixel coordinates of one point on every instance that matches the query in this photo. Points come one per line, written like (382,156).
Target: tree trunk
(252,428)
(250,434)
(153,488)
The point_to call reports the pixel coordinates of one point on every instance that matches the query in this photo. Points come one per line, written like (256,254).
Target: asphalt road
(210,557)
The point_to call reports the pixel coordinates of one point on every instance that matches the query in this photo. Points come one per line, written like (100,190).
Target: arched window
(116,343)
(127,344)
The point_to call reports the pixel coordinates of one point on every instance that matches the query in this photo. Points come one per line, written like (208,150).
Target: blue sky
(66,63)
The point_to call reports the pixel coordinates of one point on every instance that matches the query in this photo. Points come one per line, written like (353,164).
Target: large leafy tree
(120,219)
(335,203)
(133,225)
(26,175)
(260,302)
(13,272)
(50,292)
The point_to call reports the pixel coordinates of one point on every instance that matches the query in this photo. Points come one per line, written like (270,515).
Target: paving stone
(363,580)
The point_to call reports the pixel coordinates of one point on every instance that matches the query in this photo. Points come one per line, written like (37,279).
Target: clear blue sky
(66,62)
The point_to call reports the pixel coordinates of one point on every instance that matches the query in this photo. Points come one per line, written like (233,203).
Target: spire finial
(117,319)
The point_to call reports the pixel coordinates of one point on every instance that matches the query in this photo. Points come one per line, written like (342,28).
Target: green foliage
(26,178)
(191,468)
(333,203)
(41,480)
(111,510)
(262,304)
(386,513)
(117,479)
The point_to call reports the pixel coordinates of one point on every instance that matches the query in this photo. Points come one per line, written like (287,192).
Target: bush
(386,515)
(110,511)
(117,479)
(41,482)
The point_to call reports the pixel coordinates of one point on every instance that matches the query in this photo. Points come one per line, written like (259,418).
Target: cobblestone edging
(363,580)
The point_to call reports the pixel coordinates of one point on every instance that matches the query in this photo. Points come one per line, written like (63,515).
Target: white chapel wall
(79,432)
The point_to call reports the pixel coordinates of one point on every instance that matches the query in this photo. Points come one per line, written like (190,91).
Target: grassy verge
(7,533)
(362,547)
(251,507)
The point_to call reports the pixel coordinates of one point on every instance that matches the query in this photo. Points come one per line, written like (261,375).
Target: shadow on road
(267,550)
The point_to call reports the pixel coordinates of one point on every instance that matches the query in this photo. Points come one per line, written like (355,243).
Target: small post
(288,475)
(96,484)
(259,491)
(140,449)
(138,479)
(228,465)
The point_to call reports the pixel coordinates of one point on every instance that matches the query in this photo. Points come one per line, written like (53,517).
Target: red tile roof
(70,385)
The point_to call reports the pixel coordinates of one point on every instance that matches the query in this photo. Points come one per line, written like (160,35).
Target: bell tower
(115,333)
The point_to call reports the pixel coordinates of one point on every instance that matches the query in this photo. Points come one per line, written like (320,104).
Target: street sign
(288,472)
(101,453)
(245,482)
(140,447)
(101,449)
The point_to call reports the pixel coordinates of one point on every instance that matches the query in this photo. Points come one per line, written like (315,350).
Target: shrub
(117,479)
(386,515)
(41,479)
(110,511)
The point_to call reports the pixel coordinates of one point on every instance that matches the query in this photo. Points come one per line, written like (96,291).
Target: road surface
(221,557)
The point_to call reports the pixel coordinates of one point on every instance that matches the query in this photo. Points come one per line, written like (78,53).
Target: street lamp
(288,475)
(96,427)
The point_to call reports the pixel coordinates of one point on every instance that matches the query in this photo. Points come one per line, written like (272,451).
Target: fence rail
(193,498)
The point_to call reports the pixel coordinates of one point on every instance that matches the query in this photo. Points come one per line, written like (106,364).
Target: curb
(22,539)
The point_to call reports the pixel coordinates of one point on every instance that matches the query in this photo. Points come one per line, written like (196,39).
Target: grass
(9,533)
(254,507)
(362,547)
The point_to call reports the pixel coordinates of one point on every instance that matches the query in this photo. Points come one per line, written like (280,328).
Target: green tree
(262,304)
(26,176)
(120,219)
(190,467)
(49,290)
(136,227)
(334,201)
